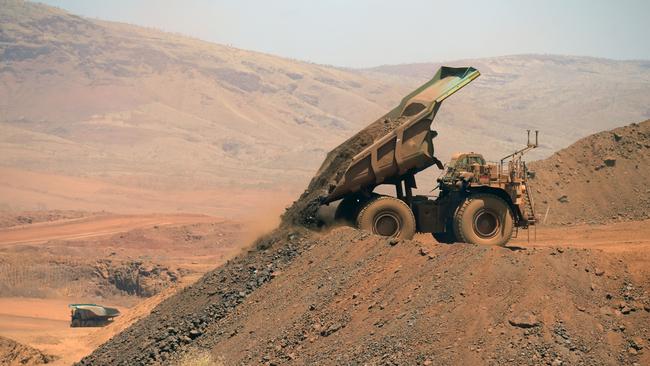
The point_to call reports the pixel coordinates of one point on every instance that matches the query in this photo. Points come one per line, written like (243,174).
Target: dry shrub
(201,358)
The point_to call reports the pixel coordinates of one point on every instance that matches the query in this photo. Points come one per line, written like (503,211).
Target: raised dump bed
(407,148)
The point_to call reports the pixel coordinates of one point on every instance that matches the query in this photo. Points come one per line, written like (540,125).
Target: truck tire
(483,219)
(349,208)
(387,216)
(444,237)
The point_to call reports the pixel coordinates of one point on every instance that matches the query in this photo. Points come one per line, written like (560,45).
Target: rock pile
(601,178)
(347,296)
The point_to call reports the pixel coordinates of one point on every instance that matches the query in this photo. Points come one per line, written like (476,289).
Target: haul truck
(478,202)
(91,315)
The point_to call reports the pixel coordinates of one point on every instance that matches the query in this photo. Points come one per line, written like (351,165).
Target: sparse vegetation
(200,358)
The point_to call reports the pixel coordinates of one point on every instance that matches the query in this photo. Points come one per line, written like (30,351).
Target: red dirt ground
(60,257)
(352,297)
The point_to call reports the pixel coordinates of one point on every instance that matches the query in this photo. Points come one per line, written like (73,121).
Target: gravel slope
(347,297)
(601,178)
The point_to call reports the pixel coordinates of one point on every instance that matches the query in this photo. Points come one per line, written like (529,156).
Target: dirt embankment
(26,272)
(602,178)
(13,353)
(179,321)
(11,219)
(347,296)
(108,255)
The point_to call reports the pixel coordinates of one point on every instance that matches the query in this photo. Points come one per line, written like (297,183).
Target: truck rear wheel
(444,237)
(483,219)
(387,216)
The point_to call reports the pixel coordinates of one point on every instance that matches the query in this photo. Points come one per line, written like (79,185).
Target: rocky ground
(13,353)
(347,297)
(601,178)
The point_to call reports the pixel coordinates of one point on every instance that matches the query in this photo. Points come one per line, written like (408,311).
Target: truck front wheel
(483,219)
(387,216)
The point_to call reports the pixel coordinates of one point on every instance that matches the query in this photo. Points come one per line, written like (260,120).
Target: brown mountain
(565,97)
(104,115)
(124,103)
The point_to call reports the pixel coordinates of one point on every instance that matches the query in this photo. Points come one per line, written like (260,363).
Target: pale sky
(362,33)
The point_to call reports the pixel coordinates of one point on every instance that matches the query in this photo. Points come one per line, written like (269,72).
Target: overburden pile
(348,297)
(601,178)
(13,353)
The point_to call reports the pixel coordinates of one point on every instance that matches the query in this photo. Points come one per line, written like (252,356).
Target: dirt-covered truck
(91,315)
(478,202)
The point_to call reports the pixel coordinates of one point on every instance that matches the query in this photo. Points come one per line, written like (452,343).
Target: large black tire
(387,216)
(483,219)
(349,208)
(445,237)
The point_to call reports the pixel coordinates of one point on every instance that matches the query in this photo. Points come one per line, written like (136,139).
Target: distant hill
(134,105)
(139,108)
(565,97)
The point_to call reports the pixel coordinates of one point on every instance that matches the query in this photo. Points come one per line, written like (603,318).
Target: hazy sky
(369,33)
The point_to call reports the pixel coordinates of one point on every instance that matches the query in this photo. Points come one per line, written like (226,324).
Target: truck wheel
(387,216)
(349,208)
(444,237)
(483,219)
(447,236)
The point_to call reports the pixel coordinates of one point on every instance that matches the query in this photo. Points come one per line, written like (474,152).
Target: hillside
(131,105)
(601,178)
(346,296)
(13,353)
(117,110)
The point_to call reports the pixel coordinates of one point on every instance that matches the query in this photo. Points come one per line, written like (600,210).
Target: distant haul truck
(478,202)
(91,315)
